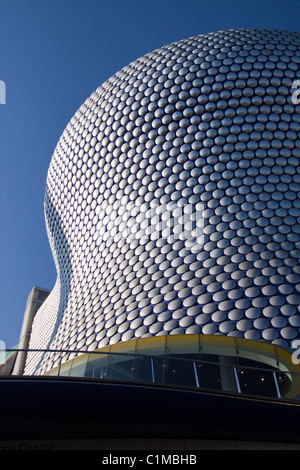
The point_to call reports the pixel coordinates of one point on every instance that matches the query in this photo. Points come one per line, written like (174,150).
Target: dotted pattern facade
(205,122)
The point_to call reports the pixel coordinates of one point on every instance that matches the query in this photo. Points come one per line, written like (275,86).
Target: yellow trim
(265,353)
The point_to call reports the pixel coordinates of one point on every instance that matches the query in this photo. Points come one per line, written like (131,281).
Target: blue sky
(53,55)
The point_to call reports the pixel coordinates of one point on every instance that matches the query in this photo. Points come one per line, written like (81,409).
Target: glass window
(206,371)
(142,369)
(256,379)
(174,371)
(120,370)
(284,383)
(97,367)
(209,376)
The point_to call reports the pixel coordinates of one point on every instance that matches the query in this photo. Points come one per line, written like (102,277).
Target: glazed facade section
(207,362)
(172,200)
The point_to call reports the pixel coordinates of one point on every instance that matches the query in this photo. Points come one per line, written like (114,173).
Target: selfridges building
(172,203)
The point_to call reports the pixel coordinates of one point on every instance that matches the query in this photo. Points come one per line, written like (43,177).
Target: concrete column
(32,305)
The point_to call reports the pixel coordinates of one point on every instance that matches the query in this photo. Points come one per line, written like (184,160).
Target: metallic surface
(206,125)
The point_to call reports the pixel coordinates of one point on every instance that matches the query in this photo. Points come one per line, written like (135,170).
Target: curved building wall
(172,199)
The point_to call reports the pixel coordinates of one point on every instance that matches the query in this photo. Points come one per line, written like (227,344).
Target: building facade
(172,204)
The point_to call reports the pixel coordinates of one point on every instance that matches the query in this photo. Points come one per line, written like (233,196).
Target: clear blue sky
(53,55)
